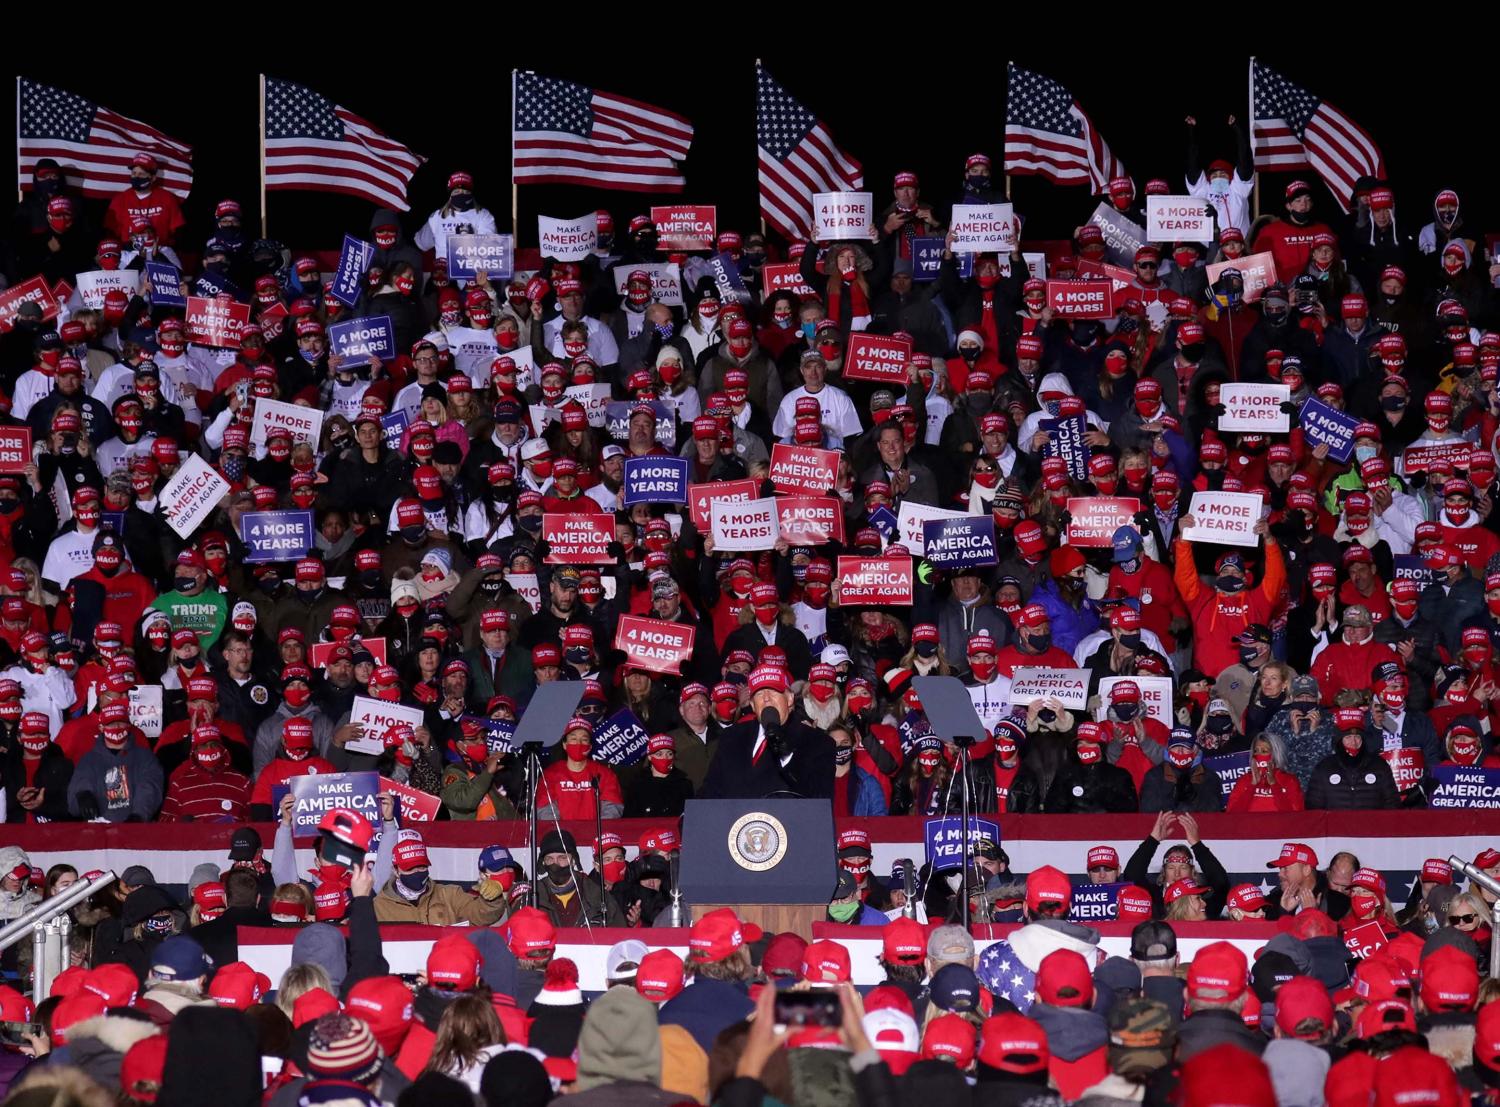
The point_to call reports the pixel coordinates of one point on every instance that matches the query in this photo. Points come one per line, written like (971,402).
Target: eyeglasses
(985,469)
(1454,920)
(1146,265)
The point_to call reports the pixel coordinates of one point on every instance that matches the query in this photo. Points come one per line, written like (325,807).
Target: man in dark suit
(769,755)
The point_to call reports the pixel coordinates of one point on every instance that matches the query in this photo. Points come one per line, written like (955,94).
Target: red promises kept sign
(685,226)
(803,468)
(578,539)
(886,581)
(1081,299)
(654,644)
(877,357)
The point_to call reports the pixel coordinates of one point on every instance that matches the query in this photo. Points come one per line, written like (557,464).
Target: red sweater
(194,792)
(571,793)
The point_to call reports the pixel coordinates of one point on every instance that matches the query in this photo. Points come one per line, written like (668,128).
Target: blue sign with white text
(1230,767)
(164,283)
(349,278)
(944,838)
(472,254)
(727,279)
(362,339)
(1462,786)
(927,259)
(1095,902)
(1065,440)
(620,740)
(655,480)
(1323,424)
(392,427)
(885,522)
(277,535)
(960,543)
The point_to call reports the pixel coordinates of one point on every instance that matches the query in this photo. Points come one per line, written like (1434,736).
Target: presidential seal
(757,841)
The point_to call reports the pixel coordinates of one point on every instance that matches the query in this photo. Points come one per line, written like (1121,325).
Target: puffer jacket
(1344,783)
(440,905)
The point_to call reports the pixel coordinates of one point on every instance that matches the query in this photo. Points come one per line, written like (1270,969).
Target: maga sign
(909,530)
(314,796)
(803,468)
(472,254)
(655,480)
(566,239)
(1069,687)
(1082,299)
(950,544)
(747,525)
(882,581)
(685,226)
(191,495)
(95,284)
(1255,408)
(876,357)
(578,539)
(1228,518)
(1094,519)
(1458,786)
(1179,219)
(843,215)
(666,281)
(654,644)
(1096,902)
(216,322)
(620,740)
(983,228)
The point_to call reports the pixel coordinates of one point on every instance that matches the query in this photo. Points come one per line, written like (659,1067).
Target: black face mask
(1126,712)
(1247,655)
(843,755)
(140,184)
(1040,642)
(1275,317)
(1219,724)
(1393,403)
(1192,352)
(1131,641)
(1229,583)
(529,523)
(463,202)
(976,182)
(926,649)
(646,240)
(559,874)
(1085,334)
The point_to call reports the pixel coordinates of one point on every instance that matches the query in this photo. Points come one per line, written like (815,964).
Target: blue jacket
(1069,626)
(866,797)
(706,1007)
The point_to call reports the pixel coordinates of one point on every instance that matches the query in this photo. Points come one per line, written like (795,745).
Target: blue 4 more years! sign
(655,479)
(944,839)
(277,535)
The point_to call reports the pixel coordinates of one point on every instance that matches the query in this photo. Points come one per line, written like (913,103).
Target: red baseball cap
(1048,885)
(718,934)
(1103,857)
(1065,970)
(1302,998)
(950,1037)
(1294,853)
(903,941)
(531,932)
(385,1004)
(825,962)
(1013,1043)
(454,963)
(1450,980)
(659,976)
(1133,904)
(1218,968)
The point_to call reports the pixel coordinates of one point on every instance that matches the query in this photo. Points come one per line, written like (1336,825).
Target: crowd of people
(1345,661)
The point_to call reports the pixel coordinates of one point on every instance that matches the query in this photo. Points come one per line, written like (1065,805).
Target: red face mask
(726,709)
(1146,408)
(829,350)
(1262,761)
(11,710)
(987,280)
(816,596)
(35,744)
(765,614)
(669,371)
(541,469)
(210,757)
(1405,608)
(482,321)
(297,695)
(385,237)
(1164,500)
(821,691)
(300,753)
(1089,753)
(929,762)
(1466,751)
(982,670)
(988,479)
(116,739)
(577,751)
(1106,485)
(614,871)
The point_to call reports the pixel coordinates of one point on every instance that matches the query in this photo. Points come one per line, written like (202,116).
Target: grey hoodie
(324,946)
(1298,1070)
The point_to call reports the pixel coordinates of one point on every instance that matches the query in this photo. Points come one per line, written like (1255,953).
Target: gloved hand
(426,693)
(1218,410)
(1141,518)
(543,548)
(615,550)
(1289,407)
(88,805)
(489,889)
(1066,516)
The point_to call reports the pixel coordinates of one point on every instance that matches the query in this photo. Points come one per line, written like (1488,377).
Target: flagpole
(20,192)
(757,139)
(263,231)
(515,192)
(1255,190)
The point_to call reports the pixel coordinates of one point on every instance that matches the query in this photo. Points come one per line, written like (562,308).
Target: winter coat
(706,1007)
(1205,1029)
(440,905)
(126,784)
(1078,1040)
(1096,789)
(1344,783)
(1165,789)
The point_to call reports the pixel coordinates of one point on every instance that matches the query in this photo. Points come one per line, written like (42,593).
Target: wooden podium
(771,861)
(773,918)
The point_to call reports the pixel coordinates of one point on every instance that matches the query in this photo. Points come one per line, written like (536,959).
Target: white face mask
(954,880)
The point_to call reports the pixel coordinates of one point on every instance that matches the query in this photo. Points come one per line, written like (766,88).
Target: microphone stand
(532,753)
(676,917)
(598,848)
(963,742)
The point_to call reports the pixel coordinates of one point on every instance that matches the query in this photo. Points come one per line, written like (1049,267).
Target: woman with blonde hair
(1469,914)
(468,1035)
(297,981)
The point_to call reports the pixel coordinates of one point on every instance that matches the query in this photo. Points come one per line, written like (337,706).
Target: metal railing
(1490,885)
(50,924)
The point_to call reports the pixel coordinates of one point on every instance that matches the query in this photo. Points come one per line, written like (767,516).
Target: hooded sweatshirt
(619,1052)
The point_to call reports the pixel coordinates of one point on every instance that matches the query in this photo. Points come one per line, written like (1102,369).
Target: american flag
(313,144)
(798,158)
(1047,133)
(1293,129)
(92,144)
(1002,972)
(567,133)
